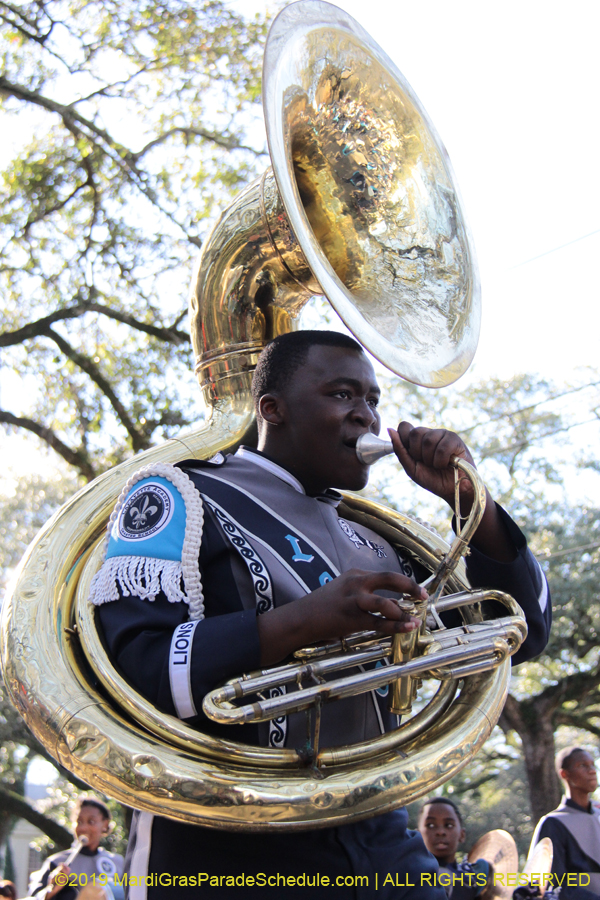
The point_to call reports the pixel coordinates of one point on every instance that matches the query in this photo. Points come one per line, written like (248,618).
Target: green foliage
(518,432)
(128,125)
(130,137)
(27,504)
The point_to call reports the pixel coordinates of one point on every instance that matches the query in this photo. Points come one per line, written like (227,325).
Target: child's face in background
(441,830)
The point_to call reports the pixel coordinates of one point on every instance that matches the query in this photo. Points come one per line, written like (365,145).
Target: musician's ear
(271,409)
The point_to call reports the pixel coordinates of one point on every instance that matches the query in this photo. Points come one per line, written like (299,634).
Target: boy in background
(441,827)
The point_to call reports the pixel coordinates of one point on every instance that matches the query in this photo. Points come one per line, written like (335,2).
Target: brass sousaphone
(360,205)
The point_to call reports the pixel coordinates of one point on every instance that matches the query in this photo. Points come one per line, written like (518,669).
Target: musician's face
(92,824)
(441,830)
(331,400)
(581,774)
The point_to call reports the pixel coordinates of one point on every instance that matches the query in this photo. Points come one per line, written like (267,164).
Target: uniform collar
(571,803)
(330,496)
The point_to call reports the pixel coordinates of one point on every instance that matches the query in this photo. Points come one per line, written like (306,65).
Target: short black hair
(97,804)
(447,802)
(564,759)
(286,353)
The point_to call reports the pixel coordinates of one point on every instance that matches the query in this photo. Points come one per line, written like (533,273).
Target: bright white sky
(512,89)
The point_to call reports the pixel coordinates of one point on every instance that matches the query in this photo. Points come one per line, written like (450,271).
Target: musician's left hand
(58,880)
(425,454)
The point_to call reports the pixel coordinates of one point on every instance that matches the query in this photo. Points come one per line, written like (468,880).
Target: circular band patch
(105,865)
(146,512)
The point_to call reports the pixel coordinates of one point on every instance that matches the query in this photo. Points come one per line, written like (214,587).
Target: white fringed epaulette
(153,541)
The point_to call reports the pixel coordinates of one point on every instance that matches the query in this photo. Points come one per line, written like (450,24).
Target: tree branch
(17,806)
(575,721)
(74,457)
(39,39)
(41,326)
(66,112)
(139,441)
(476,783)
(510,718)
(228,143)
(41,214)
(123,158)
(170,335)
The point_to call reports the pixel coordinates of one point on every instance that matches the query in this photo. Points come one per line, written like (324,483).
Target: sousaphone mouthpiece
(370,448)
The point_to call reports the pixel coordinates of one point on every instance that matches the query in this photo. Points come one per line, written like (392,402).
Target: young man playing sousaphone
(280,569)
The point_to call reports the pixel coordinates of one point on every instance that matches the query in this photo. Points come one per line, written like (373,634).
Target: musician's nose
(363,412)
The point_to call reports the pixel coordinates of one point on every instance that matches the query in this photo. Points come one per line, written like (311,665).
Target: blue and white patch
(359,541)
(151,522)
(105,866)
(154,537)
(146,512)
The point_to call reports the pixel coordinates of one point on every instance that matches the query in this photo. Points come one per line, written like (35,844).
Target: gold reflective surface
(370,193)
(360,205)
(498,848)
(442,653)
(539,862)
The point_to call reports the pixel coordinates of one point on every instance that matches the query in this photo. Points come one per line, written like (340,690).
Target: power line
(592,546)
(539,437)
(521,409)
(554,249)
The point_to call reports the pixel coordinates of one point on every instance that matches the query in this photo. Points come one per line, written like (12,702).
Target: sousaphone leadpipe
(370,449)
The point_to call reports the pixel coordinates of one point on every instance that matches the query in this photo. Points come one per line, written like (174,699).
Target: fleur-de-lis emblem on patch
(140,515)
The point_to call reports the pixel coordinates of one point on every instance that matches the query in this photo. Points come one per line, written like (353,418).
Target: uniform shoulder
(104,852)
(214,462)
(549,825)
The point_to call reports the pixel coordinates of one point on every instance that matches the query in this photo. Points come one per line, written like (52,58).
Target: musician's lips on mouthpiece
(352,442)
